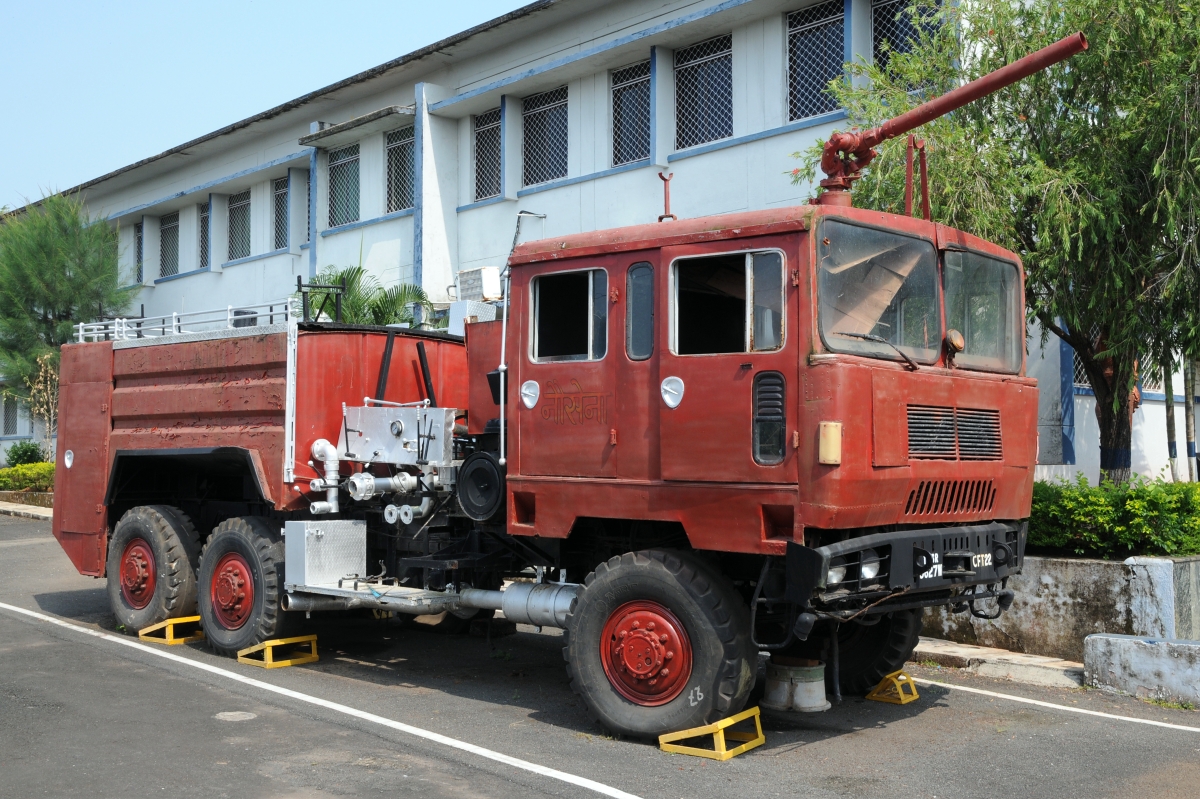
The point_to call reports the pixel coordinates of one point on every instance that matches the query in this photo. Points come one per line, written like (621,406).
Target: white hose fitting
(322,450)
(363,486)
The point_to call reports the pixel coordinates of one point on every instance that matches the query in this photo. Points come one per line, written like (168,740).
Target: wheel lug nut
(650,626)
(669,655)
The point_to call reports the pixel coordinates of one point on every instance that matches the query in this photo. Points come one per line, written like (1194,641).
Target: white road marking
(445,740)
(1067,708)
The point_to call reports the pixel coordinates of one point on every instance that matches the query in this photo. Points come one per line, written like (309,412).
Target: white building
(566,108)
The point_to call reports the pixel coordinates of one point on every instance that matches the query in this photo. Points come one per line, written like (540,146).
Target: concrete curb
(1150,668)
(1001,664)
(26,511)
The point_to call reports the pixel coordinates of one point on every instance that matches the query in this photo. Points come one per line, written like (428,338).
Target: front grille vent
(943,497)
(967,434)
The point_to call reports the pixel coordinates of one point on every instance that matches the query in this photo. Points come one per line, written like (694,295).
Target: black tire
(171,537)
(867,654)
(259,544)
(716,621)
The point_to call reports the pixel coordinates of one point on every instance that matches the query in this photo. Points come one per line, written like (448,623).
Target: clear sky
(89,87)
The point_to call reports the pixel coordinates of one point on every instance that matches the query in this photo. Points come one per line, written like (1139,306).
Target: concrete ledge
(1001,664)
(26,511)
(1151,668)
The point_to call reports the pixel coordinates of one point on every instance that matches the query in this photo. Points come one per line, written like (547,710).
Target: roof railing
(178,324)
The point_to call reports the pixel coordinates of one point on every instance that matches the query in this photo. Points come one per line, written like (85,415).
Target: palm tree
(364,301)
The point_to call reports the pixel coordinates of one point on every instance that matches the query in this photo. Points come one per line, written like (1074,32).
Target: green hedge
(28,477)
(1142,517)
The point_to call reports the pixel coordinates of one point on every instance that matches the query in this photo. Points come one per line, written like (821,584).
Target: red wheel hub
(138,573)
(232,591)
(646,653)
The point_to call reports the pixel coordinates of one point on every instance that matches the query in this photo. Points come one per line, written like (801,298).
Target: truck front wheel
(152,560)
(241,584)
(657,642)
(867,654)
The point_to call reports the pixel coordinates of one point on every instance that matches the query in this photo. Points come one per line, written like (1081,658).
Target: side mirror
(955,341)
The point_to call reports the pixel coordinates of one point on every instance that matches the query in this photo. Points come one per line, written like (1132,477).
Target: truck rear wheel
(241,584)
(658,642)
(152,560)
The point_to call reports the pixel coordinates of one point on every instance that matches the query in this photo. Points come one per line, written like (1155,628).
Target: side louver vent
(967,434)
(943,497)
(769,418)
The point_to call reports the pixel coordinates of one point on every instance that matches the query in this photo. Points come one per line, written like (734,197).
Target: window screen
(239,225)
(400,144)
(202,208)
(544,151)
(816,50)
(729,303)
(280,199)
(631,113)
(639,312)
(984,303)
(10,416)
(168,245)
(894,27)
(487,155)
(343,186)
(570,313)
(704,92)
(138,252)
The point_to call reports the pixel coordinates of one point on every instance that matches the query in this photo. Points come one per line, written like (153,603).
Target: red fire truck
(684,443)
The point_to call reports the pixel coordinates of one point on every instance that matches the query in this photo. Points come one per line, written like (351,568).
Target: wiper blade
(881,340)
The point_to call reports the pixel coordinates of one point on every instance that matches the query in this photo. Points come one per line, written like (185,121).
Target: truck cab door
(728,369)
(564,399)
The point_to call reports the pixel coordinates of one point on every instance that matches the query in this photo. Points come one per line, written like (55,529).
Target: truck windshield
(982,303)
(874,282)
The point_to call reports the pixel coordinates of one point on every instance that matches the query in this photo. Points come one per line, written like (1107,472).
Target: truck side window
(570,313)
(728,303)
(639,312)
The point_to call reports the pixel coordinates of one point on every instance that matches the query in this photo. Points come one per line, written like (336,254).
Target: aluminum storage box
(323,552)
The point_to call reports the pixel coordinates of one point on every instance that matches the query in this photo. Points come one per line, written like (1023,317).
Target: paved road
(81,713)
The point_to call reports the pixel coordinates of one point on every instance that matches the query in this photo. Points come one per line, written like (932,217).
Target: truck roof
(659,234)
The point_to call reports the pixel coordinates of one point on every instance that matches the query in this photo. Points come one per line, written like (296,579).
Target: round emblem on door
(672,391)
(530,391)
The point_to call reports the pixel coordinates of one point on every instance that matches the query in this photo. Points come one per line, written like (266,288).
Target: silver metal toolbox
(398,436)
(322,552)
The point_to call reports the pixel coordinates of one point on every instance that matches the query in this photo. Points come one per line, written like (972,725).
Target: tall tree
(56,269)
(1066,167)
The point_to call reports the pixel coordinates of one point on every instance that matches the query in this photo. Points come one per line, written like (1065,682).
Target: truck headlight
(870,564)
(837,571)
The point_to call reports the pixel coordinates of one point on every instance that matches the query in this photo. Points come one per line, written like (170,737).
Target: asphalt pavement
(404,711)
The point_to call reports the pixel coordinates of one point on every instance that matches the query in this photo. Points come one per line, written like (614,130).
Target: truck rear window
(570,316)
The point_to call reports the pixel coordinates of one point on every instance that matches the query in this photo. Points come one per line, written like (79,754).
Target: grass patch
(1169,704)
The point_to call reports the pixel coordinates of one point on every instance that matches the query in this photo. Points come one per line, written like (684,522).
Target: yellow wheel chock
(897,688)
(719,734)
(293,654)
(168,629)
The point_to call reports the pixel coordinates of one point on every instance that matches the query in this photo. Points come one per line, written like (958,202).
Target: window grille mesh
(400,164)
(631,113)
(280,187)
(893,29)
(816,50)
(1081,376)
(704,92)
(239,225)
(487,155)
(343,186)
(10,416)
(204,259)
(138,257)
(168,245)
(544,152)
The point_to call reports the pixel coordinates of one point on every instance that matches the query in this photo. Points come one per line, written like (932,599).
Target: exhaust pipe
(309,602)
(538,604)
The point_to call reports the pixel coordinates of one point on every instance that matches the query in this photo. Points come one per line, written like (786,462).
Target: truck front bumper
(905,569)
